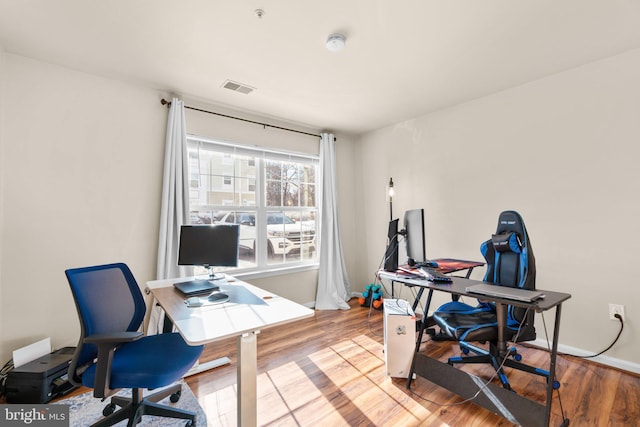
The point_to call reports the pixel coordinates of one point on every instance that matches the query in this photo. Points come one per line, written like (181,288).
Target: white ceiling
(403,58)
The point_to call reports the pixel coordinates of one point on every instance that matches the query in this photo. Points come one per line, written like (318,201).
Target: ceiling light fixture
(336,42)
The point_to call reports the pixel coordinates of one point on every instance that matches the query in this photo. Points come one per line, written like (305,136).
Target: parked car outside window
(285,236)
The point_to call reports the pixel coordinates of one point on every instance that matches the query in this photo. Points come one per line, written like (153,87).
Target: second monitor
(414,235)
(391,254)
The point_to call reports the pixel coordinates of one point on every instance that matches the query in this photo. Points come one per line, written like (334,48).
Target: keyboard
(435,276)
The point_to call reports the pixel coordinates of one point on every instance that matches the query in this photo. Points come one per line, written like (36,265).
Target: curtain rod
(168,104)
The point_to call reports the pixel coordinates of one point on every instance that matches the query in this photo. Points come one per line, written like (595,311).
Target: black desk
(510,405)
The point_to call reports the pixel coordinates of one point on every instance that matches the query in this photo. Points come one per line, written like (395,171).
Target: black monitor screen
(414,227)
(209,245)
(391,254)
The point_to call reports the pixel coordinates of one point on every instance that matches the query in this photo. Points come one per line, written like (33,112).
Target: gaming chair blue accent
(113,354)
(510,262)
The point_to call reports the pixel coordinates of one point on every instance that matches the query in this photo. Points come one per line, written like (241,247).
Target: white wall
(81,161)
(82,165)
(563,152)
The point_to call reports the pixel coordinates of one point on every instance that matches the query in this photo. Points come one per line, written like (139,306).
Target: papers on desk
(430,274)
(409,273)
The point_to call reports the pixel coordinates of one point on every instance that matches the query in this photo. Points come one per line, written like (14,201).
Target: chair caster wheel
(464,350)
(190,423)
(175,396)
(517,357)
(109,409)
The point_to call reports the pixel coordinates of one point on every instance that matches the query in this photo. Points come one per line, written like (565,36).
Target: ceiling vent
(237,87)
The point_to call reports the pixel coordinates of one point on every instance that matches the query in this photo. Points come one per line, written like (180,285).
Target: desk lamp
(390,194)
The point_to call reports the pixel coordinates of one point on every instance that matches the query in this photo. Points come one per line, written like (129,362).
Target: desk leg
(552,368)
(416,301)
(501,313)
(247,379)
(469,270)
(423,326)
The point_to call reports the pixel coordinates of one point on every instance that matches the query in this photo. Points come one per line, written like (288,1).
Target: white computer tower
(399,337)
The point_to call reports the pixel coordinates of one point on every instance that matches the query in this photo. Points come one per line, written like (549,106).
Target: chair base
(134,408)
(493,357)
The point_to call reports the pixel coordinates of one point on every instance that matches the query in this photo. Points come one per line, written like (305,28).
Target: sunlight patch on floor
(342,384)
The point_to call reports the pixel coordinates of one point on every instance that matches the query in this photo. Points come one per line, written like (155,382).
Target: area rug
(84,409)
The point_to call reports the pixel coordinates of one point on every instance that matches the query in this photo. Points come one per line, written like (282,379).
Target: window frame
(260,155)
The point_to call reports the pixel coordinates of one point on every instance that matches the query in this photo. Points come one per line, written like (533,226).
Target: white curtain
(174,210)
(333,285)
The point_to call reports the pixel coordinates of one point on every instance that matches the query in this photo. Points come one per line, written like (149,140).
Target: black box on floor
(41,380)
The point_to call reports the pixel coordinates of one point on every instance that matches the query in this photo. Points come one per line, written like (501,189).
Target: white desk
(201,325)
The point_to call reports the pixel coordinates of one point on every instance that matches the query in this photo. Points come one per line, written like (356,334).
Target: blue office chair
(113,354)
(510,262)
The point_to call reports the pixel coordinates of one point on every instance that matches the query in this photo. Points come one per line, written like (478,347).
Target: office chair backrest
(108,299)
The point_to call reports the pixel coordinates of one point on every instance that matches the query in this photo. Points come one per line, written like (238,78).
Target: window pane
(290,184)
(202,217)
(308,195)
(273,181)
(247,240)
(291,194)
(289,240)
(245,173)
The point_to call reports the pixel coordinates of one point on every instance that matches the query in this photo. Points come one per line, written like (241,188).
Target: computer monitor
(414,235)
(391,254)
(209,246)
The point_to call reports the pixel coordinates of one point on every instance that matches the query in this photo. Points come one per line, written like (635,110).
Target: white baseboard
(312,304)
(605,360)
(201,367)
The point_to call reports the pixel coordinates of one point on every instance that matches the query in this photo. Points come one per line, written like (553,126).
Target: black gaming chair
(510,262)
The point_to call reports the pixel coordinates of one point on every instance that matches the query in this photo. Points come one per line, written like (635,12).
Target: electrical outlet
(616,309)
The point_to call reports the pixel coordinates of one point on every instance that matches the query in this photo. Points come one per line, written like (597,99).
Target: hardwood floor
(329,370)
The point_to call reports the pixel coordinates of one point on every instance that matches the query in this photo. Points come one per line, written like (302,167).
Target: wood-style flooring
(329,370)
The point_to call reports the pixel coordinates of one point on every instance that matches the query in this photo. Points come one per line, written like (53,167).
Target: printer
(40,380)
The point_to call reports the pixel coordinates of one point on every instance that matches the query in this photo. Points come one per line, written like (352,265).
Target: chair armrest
(115,338)
(107,344)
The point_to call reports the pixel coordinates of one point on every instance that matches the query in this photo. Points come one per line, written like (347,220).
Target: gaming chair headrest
(511,221)
(510,237)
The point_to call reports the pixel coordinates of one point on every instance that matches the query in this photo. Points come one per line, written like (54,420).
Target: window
(270,194)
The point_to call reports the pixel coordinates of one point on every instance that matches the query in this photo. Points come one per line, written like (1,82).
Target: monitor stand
(212,274)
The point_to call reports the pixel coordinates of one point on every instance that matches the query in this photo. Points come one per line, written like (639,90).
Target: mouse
(193,302)
(218,297)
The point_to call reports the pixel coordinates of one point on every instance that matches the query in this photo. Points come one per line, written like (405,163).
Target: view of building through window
(271,195)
